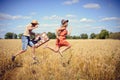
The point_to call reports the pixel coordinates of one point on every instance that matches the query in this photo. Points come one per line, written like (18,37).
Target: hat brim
(66,21)
(34,23)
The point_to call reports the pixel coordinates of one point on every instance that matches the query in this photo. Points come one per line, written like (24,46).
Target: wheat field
(85,60)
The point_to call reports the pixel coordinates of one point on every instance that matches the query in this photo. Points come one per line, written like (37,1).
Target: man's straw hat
(34,22)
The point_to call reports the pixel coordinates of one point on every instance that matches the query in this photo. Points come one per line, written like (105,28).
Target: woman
(26,39)
(61,34)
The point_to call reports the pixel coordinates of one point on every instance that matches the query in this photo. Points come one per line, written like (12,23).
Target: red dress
(62,39)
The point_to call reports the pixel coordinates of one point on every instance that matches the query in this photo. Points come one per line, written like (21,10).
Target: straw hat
(64,21)
(34,22)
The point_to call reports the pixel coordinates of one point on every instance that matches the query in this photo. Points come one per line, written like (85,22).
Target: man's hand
(36,26)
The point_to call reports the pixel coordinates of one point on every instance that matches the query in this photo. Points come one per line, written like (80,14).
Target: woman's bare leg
(65,49)
(37,45)
(56,49)
(33,55)
(60,53)
(33,51)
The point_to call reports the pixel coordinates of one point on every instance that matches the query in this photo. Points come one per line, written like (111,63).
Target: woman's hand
(70,30)
(57,37)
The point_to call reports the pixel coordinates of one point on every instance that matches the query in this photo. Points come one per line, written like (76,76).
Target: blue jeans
(25,42)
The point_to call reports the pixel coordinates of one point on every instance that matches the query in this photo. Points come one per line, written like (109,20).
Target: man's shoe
(13,58)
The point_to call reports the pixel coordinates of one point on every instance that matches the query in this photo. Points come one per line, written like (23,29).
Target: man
(26,39)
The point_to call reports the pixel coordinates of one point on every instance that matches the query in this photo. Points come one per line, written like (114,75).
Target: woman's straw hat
(34,22)
(63,21)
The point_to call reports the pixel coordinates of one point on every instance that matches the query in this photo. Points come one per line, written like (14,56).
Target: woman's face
(66,24)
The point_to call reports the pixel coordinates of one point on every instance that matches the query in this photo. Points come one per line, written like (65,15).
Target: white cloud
(92,6)
(109,18)
(10,17)
(49,25)
(19,28)
(74,20)
(118,27)
(98,27)
(33,13)
(5,24)
(69,2)
(20,17)
(46,28)
(53,17)
(70,16)
(2,30)
(86,20)
(56,17)
(92,27)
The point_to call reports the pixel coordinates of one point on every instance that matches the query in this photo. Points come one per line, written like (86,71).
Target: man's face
(34,24)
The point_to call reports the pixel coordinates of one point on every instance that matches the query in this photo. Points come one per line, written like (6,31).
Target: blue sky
(85,16)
